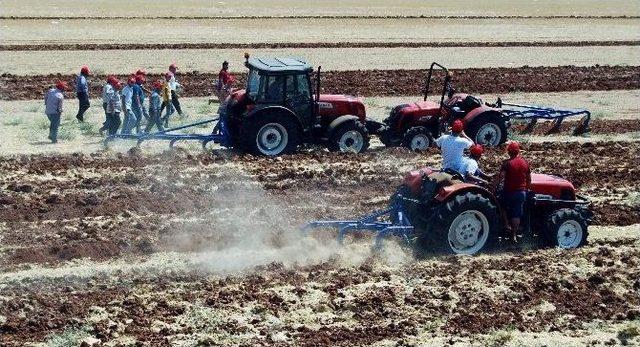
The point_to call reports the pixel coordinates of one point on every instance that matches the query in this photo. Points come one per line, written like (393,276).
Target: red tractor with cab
(278,111)
(416,125)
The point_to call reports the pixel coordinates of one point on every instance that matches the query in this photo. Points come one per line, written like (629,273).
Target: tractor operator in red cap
(82,92)
(453,146)
(516,175)
(53,108)
(469,168)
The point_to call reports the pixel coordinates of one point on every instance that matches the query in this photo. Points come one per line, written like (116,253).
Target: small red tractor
(415,125)
(464,218)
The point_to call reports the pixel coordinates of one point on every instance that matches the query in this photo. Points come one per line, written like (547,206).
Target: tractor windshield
(253,84)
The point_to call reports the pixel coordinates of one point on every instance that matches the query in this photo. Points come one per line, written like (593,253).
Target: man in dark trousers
(53,101)
(82,92)
(516,175)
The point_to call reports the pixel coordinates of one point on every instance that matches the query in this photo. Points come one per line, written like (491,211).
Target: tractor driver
(453,147)
(516,175)
(469,168)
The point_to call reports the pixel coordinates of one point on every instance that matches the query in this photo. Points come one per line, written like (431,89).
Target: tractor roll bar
(316,108)
(447,79)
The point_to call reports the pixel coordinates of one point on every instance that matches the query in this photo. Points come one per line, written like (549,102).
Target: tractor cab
(279,93)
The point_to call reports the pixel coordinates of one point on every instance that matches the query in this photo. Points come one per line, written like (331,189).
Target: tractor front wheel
(417,139)
(270,135)
(488,130)
(566,229)
(466,224)
(352,136)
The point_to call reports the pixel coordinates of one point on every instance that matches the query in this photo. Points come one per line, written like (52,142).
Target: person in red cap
(107,89)
(470,169)
(166,98)
(114,107)
(453,146)
(155,104)
(129,121)
(82,92)
(515,173)
(53,101)
(223,84)
(175,88)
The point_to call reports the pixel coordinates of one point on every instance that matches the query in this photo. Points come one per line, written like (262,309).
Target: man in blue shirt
(53,108)
(138,101)
(82,92)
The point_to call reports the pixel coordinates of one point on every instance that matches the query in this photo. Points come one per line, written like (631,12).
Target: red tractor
(278,111)
(416,125)
(463,218)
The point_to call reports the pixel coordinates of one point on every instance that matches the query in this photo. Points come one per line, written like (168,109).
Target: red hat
(457,126)
(111,78)
(141,72)
(114,81)
(157,85)
(168,75)
(118,85)
(85,70)
(140,79)
(132,80)
(476,150)
(513,148)
(62,85)
(173,67)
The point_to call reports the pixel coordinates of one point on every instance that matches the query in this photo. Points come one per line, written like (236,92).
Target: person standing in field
(155,105)
(138,101)
(224,83)
(53,101)
(166,98)
(175,89)
(516,175)
(107,89)
(129,117)
(82,92)
(114,107)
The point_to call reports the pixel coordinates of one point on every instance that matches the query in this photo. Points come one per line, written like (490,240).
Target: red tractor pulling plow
(279,111)
(464,218)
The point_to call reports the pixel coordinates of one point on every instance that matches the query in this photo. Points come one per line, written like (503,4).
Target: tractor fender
(258,111)
(482,111)
(449,192)
(339,121)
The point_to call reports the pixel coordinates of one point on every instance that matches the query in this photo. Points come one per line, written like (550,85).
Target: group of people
(514,175)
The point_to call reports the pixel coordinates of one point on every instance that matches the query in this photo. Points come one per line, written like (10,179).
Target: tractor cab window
(297,89)
(253,84)
(273,89)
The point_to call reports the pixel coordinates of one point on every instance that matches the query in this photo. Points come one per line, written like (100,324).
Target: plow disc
(532,114)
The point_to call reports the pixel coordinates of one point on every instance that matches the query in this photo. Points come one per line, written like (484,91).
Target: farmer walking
(53,101)
(138,101)
(166,98)
(114,107)
(516,175)
(107,89)
(82,92)
(155,104)
(129,117)
(175,89)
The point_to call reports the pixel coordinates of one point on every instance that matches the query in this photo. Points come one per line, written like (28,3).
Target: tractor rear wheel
(351,136)
(466,224)
(488,130)
(270,135)
(417,139)
(566,229)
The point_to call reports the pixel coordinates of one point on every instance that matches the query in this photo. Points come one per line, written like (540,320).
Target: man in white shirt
(469,168)
(129,117)
(453,146)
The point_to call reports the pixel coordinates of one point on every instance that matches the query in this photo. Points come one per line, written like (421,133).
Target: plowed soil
(126,211)
(387,82)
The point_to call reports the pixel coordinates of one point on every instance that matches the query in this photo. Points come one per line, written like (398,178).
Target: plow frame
(219,135)
(533,113)
(398,225)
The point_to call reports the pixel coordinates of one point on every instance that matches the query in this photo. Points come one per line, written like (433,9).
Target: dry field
(156,247)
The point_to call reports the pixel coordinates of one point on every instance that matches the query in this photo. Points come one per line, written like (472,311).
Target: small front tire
(417,139)
(566,229)
(349,137)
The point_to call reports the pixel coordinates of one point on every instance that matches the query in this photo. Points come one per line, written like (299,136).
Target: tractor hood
(557,187)
(421,108)
(335,105)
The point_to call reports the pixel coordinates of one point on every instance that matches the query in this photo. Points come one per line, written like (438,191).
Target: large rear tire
(417,139)
(566,229)
(270,135)
(488,130)
(466,224)
(349,137)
